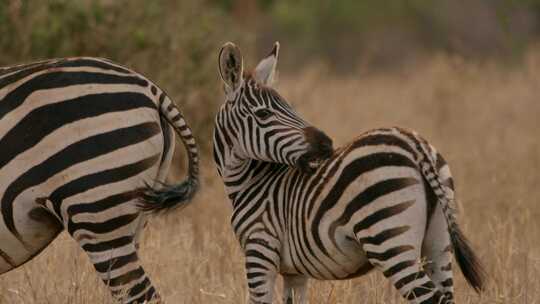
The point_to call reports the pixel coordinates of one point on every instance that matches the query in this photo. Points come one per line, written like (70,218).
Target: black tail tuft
(468,262)
(167,197)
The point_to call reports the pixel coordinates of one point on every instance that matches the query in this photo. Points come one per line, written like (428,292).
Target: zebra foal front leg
(294,289)
(262,260)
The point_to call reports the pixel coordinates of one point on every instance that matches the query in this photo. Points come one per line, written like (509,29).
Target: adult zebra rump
(83,141)
(303,210)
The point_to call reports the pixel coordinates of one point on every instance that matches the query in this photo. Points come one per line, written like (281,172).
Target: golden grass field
(484,119)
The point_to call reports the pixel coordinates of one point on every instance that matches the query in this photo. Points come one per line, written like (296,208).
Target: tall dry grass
(484,120)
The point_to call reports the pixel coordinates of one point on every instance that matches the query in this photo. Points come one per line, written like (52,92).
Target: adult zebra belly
(71,150)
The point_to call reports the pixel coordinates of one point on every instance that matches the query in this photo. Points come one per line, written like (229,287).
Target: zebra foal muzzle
(320,149)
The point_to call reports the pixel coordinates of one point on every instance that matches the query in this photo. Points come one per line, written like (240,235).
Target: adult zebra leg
(106,230)
(141,224)
(437,251)
(38,229)
(117,263)
(294,289)
(262,260)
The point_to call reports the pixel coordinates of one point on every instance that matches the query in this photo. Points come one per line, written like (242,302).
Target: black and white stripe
(83,141)
(300,209)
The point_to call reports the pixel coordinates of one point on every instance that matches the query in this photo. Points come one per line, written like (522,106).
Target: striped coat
(84,142)
(384,201)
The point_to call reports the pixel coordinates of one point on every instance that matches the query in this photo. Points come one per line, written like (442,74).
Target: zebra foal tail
(166,197)
(467,260)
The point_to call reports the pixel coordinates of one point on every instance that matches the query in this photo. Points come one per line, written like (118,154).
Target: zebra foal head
(255,122)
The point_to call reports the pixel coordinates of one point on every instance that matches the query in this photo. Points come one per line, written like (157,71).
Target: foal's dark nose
(321,144)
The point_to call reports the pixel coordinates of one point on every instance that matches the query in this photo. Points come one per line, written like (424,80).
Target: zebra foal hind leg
(407,274)
(437,249)
(392,243)
(294,289)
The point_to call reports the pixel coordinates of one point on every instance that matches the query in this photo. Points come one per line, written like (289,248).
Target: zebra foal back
(85,141)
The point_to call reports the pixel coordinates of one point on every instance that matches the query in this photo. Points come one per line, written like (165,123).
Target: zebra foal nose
(320,144)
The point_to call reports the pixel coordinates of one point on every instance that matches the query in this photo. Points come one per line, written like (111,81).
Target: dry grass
(484,119)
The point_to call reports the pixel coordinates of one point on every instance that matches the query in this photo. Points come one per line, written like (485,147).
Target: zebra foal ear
(231,67)
(266,69)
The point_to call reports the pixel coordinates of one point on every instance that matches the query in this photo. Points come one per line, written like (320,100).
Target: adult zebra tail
(164,197)
(429,162)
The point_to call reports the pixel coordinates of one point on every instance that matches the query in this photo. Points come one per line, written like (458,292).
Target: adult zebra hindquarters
(83,135)
(164,197)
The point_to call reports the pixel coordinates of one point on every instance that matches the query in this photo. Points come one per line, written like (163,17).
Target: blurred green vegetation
(173,42)
(385,33)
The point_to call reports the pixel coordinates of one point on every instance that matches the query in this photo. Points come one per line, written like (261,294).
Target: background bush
(174,43)
(388,33)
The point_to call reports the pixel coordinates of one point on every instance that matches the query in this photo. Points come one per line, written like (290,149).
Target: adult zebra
(83,142)
(303,210)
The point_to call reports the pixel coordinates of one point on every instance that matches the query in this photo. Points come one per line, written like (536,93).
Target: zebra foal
(84,141)
(303,210)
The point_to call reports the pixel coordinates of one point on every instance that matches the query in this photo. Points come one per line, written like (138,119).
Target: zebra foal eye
(263,113)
